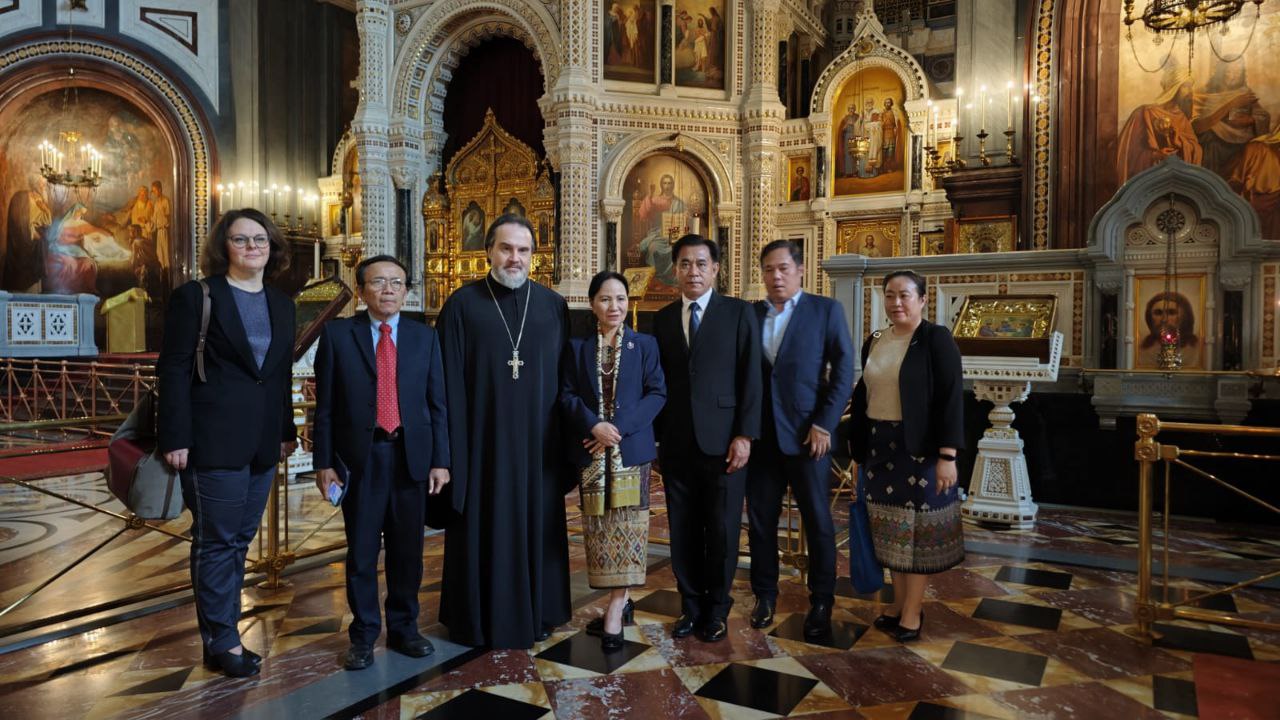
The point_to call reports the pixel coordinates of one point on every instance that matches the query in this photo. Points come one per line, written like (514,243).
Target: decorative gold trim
(1042,130)
(978,310)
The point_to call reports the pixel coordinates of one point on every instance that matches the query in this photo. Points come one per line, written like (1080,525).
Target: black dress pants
(384,507)
(768,475)
(704,509)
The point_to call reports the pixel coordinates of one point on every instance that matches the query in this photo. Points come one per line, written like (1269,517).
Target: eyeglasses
(380,282)
(242,241)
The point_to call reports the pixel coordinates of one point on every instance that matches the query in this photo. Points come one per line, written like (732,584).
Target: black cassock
(506,564)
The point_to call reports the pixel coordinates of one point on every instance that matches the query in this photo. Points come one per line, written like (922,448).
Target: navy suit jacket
(346,396)
(639,394)
(799,391)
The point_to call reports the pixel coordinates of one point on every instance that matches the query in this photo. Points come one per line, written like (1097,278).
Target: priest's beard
(512,279)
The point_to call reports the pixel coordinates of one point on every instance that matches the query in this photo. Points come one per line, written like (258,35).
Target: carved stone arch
(870,48)
(423,67)
(340,153)
(708,163)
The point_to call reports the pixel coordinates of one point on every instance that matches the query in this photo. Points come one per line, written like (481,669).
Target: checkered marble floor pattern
(1005,636)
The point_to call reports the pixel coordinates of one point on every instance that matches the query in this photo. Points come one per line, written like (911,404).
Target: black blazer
(717,381)
(931,389)
(799,389)
(639,394)
(347,390)
(241,414)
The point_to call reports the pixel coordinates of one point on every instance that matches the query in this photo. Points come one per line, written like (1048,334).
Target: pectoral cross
(515,362)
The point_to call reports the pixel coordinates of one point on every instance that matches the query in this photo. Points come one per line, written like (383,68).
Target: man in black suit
(380,413)
(710,350)
(808,377)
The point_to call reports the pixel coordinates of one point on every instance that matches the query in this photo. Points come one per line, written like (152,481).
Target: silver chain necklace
(515,362)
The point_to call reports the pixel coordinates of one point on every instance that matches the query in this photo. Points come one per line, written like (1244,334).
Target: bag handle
(204,330)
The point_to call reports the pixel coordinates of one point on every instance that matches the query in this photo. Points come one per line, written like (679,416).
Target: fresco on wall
(1224,116)
(119,238)
(700,32)
(628,33)
(869,135)
(665,198)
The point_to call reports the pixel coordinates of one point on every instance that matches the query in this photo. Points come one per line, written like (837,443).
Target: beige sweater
(881,375)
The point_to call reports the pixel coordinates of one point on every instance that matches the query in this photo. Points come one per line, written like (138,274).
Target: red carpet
(1237,689)
(35,467)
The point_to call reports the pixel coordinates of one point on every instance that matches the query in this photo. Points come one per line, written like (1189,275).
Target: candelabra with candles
(56,167)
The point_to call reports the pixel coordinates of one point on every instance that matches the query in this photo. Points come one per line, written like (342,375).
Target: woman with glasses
(908,425)
(227,426)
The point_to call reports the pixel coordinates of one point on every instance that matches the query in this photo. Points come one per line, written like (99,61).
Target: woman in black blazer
(611,389)
(227,432)
(908,425)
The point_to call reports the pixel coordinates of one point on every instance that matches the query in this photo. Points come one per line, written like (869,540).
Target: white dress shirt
(775,325)
(702,311)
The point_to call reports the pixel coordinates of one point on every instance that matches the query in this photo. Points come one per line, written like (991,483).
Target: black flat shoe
(611,642)
(818,622)
(885,622)
(413,646)
(208,663)
(762,615)
(904,635)
(232,665)
(596,627)
(358,657)
(544,632)
(683,627)
(714,631)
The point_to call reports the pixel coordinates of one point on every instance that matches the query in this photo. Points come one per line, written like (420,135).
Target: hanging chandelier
(1177,17)
(1170,355)
(70,165)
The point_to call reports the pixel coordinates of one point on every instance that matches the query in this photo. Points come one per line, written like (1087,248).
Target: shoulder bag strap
(204,330)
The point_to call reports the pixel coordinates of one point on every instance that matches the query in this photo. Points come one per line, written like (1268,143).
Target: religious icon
(700,31)
(513,208)
(473,227)
(869,136)
(665,198)
(874,238)
(801,177)
(1178,312)
(629,34)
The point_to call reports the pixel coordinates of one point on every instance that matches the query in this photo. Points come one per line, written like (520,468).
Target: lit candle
(315,272)
(300,201)
(275,191)
(240,190)
(959,105)
(1008,104)
(982,109)
(928,124)
(217,209)
(288,198)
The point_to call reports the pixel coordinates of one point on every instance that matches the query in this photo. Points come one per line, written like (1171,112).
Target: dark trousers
(226,508)
(704,509)
(767,477)
(383,507)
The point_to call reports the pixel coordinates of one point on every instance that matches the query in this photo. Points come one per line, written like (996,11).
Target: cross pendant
(515,362)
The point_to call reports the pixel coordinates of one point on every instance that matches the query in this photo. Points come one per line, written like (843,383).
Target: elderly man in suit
(710,351)
(808,376)
(380,414)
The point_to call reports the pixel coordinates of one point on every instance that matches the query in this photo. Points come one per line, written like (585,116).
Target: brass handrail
(1148,452)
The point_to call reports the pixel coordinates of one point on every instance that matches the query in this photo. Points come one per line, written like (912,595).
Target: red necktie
(388,398)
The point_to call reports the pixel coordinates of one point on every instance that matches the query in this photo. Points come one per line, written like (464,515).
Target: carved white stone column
(370,128)
(573,100)
(762,115)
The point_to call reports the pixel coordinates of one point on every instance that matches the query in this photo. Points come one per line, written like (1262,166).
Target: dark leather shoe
(683,627)
(904,635)
(596,627)
(207,660)
(762,615)
(233,665)
(885,622)
(544,632)
(358,657)
(611,642)
(414,646)
(818,622)
(714,631)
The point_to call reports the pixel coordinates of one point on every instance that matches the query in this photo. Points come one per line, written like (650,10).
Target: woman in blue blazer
(611,389)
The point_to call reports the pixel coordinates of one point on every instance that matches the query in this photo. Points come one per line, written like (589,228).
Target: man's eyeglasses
(242,241)
(380,282)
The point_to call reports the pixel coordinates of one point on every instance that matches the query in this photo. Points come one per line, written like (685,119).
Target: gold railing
(33,389)
(1148,452)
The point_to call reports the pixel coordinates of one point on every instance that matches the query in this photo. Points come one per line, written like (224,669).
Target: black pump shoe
(904,635)
(885,622)
(596,627)
(611,642)
(209,663)
(232,665)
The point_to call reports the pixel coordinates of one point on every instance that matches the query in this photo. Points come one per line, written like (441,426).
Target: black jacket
(931,389)
(714,388)
(241,414)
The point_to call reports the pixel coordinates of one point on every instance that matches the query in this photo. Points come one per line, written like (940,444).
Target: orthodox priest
(506,564)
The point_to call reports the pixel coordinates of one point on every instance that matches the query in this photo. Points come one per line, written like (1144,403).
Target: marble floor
(1035,623)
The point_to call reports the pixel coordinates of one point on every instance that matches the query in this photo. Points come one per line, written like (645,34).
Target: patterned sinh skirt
(617,543)
(915,528)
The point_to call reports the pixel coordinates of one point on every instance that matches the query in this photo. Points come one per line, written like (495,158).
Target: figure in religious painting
(1226,115)
(799,185)
(161,215)
(1159,130)
(846,154)
(1255,174)
(869,246)
(69,268)
(872,129)
(513,208)
(650,210)
(889,129)
(700,44)
(29,219)
(1174,310)
(473,228)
